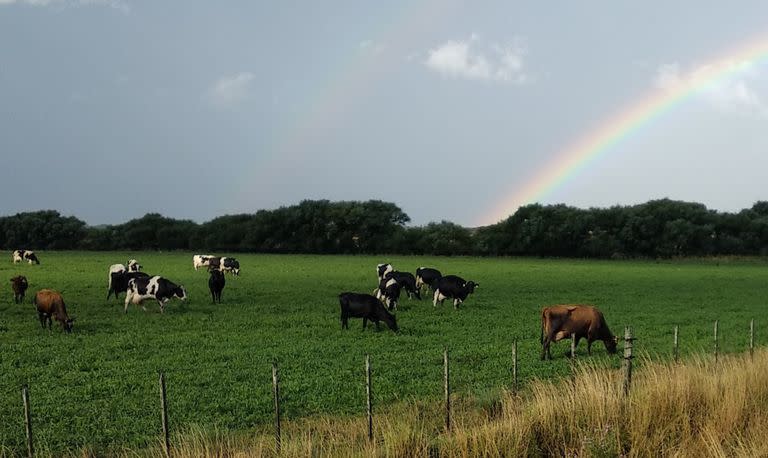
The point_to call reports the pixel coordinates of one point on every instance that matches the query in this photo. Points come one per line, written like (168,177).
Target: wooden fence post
(752,338)
(447,386)
(369,396)
(276,395)
(164,415)
(628,339)
(514,366)
(716,342)
(27,420)
(677,345)
(573,345)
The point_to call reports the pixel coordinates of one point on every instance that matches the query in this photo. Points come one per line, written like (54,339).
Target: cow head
(470,286)
(236,268)
(610,344)
(68,324)
(133,265)
(180,292)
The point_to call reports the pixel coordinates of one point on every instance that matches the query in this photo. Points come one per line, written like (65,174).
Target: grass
(97,388)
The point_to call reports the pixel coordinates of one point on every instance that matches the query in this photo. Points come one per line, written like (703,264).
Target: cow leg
(589,347)
(42,319)
(162,306)
(365,322)
(377,326)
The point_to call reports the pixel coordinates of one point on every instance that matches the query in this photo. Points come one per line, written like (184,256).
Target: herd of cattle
(557,322)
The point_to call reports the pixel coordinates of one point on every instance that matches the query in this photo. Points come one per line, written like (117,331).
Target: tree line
(658,228)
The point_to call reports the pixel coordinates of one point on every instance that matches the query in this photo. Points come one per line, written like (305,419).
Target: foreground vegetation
(97,388)
(699,408)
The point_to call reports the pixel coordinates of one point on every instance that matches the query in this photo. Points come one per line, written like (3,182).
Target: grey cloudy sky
(113,108)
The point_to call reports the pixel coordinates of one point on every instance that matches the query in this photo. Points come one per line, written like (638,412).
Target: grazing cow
(388,292)
(427,276)
(216,284)
(118,282)
(201,260)
(453,287)
(133,265)
(561,321)
(383,269)
(25,255)
(407,281)
(230,265)
(19,285)
(158,288)
(367,307)
(49,304)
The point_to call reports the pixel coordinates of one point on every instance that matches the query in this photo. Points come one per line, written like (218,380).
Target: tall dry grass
(693,409)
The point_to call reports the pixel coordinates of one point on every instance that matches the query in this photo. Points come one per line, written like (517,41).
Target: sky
(110,109)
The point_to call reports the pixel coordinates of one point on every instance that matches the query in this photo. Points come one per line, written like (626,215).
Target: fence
(628,356)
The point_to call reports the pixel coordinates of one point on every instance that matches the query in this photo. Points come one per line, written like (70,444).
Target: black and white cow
(383,269)
(427,276)
(25,255)
(133,265)
(453,287)
(158,288)
(388,292)
(367,307)
(224,264)
(216,284)
(118,281)
(201,260)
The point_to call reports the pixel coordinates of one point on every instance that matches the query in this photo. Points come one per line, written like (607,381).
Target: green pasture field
(98,386)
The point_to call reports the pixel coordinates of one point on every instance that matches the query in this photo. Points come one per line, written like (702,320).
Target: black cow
(118,282)
(367,307)
(158,288)
(216,284)
(427,276)
(453,287)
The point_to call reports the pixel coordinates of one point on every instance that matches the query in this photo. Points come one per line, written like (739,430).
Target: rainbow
(572,160)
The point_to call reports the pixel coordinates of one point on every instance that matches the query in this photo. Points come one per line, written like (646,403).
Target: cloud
(733,94)
(469,59)
(116,4)
(231,90)
(371,47)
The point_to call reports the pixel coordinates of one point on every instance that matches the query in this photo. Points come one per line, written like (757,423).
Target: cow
(118,282)
(367,307)
(230,265)
(561,321)
(216,284)
(388,292)
(49,304)
(25,255)
(427,276)
(158,288)
(19,284)
(201,260)
(114,269)
(383,269)
(407,281)
(454,287)
(133,265)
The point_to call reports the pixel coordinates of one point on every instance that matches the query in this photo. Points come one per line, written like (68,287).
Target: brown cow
(50,303)
(19,285)
(560,321)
